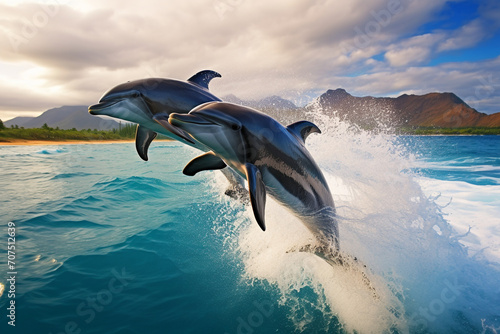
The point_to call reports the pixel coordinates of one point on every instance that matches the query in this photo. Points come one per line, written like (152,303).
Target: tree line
(45,132)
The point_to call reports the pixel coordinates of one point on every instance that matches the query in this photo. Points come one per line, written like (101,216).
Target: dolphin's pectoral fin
(162,119)
(303,129)
(257,191)
(203,78)
(207,161)
(143,138)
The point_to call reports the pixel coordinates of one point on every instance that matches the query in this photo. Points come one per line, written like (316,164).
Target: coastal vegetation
(127,131)
(124,132)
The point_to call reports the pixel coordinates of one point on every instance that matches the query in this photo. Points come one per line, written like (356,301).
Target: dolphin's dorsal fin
(303,129)
(143,138)
(207,161)
(257,191)
(203,78)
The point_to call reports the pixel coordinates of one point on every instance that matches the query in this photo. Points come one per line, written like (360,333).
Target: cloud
(415,50)
(77,50)
(467,36)
(473,82)
(477,30)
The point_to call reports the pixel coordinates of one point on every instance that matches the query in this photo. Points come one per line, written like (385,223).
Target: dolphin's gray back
(293,178)
(169,95)
(287,161)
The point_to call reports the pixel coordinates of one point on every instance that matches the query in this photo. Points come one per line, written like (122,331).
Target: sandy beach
(14,142)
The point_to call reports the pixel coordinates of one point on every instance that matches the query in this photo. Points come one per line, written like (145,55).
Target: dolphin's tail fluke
(337,259)
(351,264)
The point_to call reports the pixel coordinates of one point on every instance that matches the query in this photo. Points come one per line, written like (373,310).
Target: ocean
(108,243)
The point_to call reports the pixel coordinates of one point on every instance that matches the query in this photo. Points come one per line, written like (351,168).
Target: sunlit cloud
(56,53)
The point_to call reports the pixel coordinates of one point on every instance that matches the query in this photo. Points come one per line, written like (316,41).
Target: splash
(424,277)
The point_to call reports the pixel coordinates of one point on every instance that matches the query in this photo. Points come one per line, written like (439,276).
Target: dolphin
(272,158)
(148,102)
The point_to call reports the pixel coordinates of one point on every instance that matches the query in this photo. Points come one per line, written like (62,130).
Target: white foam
(468,206)
(268,256)
(415,258)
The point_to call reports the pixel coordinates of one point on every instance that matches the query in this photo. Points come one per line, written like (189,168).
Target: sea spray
(425,278)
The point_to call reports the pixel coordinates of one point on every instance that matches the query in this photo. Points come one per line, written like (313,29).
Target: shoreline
(29,142)
(25,142)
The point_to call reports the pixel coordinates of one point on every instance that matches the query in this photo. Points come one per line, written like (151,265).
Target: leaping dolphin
(272,158)
(148,102)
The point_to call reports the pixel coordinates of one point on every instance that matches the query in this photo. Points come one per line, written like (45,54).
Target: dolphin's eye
(136,94)
(235,127)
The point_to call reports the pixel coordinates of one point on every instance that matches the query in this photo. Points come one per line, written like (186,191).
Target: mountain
(236,100)
(66,117)
(274,103)
(20,121)
(434,109)
(430,110)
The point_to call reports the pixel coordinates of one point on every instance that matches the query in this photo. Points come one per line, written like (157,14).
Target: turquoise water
(107,243)
(471,159)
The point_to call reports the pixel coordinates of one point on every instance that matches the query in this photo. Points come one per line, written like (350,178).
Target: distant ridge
(271,103)
(66,117)
(19,121)
(445,110)
(430,110)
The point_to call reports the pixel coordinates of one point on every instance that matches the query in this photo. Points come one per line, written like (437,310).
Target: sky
(69,52)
